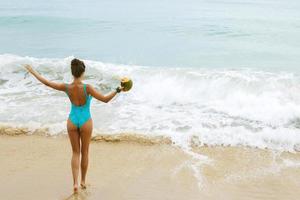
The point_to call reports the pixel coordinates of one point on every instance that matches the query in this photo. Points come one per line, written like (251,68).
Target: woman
(79,123)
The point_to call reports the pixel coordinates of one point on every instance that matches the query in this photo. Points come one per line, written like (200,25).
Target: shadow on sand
(80,195)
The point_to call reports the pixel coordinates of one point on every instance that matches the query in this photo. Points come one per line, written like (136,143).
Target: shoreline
(38,167)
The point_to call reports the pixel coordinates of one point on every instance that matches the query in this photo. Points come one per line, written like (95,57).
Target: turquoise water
(193,33)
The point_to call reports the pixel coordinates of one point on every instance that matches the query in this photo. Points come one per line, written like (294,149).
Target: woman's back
(76,93)
(80,110)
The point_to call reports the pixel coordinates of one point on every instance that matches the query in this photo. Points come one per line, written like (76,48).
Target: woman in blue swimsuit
(79,124)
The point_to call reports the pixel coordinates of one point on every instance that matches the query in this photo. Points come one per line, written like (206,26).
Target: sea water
(205,72)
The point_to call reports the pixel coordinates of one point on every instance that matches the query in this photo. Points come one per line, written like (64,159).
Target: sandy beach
(38,167)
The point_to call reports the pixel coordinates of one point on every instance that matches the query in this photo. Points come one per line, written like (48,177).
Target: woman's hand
(29,68)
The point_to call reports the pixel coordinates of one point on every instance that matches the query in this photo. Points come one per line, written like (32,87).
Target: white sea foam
(190,105)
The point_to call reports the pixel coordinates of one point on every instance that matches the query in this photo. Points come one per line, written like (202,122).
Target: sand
(38,167)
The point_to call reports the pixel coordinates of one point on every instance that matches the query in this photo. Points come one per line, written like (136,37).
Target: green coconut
(126,83)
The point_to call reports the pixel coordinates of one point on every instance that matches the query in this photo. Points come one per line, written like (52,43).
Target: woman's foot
(83,185)
(75,188)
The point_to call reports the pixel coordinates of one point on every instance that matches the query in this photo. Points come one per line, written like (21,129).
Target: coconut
(126,83)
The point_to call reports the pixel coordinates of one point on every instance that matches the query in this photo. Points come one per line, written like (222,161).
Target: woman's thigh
(73,136)
(85,135)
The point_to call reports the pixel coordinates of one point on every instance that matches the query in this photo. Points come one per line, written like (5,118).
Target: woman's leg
(75,142)
(85,136)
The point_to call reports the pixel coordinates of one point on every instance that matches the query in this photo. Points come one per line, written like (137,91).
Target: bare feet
(75,188)
(83,185)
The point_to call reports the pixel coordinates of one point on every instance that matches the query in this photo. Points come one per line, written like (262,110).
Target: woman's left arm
(56,86)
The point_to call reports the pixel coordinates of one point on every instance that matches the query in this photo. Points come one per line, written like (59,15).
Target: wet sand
(38,167)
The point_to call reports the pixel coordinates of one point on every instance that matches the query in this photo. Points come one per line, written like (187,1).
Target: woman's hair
(77,67)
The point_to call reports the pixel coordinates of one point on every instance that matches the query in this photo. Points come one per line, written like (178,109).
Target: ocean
(217,72)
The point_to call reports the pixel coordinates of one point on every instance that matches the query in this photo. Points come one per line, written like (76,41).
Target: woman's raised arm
(56,86)
(97,95)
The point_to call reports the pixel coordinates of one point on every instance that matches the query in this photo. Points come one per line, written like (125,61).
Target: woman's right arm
(97,95)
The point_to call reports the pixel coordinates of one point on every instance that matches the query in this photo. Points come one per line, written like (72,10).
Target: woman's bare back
(76,94)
